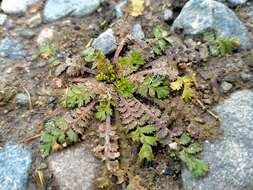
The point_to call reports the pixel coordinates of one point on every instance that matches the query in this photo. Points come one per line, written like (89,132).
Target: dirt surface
(34,77)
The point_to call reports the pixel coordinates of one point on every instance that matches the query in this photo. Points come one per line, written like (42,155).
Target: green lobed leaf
(162,92)
(103,109)
(185,139)
(194,148)
(146,152)
(148,129)
(72,137)
(197,167)
(187,93)
(77,96)
(152,141)
(154,87)
(90,54)
(61,123)
(135,136)
(125,87)
(132,62)
(160,32)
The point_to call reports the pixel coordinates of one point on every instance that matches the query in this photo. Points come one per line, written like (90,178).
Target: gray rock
(27,34)
(230,158)
(105,42)
(16,6)
(167,14)
(226,86)
(137,32)
(245,76)
(13,49)
(22,99)
(250,13)
(233,3)
(119,9)
(74,168)
(198,16)
(3,19)
(15,162)
(9,24)
(57,9)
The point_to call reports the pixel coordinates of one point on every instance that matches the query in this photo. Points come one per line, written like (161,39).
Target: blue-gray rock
(22,99)
(119,9)
(230,157)
(57,9)
(15,163)
(11,48)
(137,32)
(167,14)
(198,16)
(233,3)
(105,42)
(74,168)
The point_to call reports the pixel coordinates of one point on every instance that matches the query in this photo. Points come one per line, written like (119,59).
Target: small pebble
(246,76)
(208,101)
(169,171)
(226,86)
(105,42)
(168,14)
(137,32)
(22,99)
(173,146)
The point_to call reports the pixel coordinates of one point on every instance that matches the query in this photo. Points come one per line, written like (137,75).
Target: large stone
(74,168)
(233,3)
(16,6)
(198,16)
(105,42)
(13,49)
(15,162)
(57,9)
(230,158)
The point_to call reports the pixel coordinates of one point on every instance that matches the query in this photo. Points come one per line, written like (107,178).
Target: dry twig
(203,107)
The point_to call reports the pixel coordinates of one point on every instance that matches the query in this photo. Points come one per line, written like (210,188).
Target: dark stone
(199,16)
(105,42)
